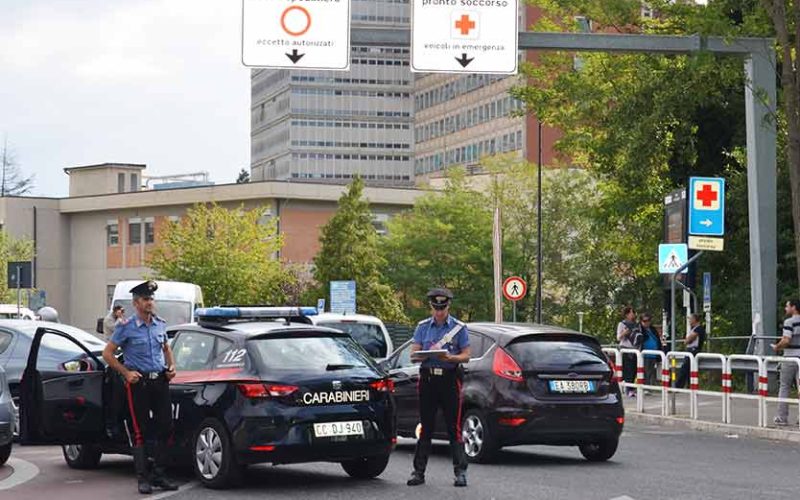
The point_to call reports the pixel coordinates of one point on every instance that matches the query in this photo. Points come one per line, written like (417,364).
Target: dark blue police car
(254,385)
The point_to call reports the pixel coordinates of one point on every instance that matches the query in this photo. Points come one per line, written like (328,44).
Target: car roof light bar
(226,314)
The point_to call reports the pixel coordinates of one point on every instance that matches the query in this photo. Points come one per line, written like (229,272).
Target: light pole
(539,229)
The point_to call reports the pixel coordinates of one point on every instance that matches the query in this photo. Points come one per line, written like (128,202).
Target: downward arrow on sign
(464,61)
(294,56)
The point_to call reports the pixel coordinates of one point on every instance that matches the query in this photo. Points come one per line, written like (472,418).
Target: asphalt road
(652,463)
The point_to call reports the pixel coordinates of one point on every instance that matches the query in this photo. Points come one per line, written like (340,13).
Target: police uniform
(142,347)
(440,386)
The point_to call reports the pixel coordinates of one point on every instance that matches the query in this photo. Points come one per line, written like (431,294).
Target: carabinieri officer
(440,383)
(148,368)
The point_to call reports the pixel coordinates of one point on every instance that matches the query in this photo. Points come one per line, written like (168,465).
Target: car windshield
(370,337)
(537,354)
(314,354)
(174,312)
(91,342)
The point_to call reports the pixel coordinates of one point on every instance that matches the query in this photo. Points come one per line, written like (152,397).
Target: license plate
(333,429)
(571,386)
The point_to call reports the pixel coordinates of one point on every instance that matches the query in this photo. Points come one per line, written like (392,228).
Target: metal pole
(498,257)
(673,280)
(580,321)
(514,311)
(19,291)
(539,230)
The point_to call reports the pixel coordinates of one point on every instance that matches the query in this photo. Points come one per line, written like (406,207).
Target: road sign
(464,36)
(706,292)
(343,297)
(305,34)
(514,288)
(671,257)
(20,275)
(706,206)
(321,305)
(706,243)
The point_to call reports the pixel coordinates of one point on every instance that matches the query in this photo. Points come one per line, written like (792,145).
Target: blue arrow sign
(671,257)
(706,206)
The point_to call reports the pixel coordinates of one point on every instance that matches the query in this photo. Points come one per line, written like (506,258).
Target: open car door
(61,406)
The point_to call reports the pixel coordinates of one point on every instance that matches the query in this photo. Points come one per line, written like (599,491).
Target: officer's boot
(159,479)
(142,476)
(461,478)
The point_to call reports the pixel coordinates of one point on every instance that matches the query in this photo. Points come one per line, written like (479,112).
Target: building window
(134,182)
(120,183)
(112,231)
(134,232)
(149,231)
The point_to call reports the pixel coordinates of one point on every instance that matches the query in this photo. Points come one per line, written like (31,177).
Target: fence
(727,365)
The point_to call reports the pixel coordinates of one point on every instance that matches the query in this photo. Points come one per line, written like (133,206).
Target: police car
(254,385)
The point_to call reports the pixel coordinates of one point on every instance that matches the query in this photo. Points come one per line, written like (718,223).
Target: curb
(714,427)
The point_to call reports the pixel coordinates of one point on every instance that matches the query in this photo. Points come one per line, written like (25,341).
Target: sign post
(707,300)
(343,297)
(706,213)
(514,289)
(20,275)
(464,36)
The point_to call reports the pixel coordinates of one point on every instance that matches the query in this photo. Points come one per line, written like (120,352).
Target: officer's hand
(171,373)
(132,377)
(445,357)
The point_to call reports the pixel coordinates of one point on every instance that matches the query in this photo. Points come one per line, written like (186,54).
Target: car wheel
(366,467)
(5,452)
(599,451)
(81,456)
(479,445)
(214,462)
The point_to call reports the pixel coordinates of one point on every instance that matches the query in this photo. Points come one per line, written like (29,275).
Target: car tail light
(384,385)
(512,422)
(504,366)
(262,448)
(620,420)
(257,390)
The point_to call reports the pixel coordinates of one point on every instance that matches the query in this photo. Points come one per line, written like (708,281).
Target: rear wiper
(587,362)
(331,368)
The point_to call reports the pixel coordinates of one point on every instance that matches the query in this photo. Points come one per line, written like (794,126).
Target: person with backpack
(651,341)
(694,342)
(629,336)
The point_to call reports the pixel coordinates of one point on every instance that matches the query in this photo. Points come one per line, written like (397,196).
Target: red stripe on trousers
(137,434)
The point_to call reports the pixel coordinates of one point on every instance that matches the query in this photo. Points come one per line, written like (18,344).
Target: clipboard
(435,353)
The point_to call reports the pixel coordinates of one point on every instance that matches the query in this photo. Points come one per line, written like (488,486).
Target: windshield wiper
(331,368)
(587,362)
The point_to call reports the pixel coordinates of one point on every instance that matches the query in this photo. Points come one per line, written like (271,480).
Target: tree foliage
(230,253)
(11,250)
(12,181)
(349,251)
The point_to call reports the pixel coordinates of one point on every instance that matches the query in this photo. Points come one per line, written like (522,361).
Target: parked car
(7,419)
(368,331)
(525,384)
(10,311)
(16,336)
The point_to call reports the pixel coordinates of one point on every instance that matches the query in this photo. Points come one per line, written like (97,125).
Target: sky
(158,82)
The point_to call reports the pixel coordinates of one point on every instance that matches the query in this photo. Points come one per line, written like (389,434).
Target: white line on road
(185,487)
(623,497)
(23,472)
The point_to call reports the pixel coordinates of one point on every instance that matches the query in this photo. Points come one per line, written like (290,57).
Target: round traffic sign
(514,288)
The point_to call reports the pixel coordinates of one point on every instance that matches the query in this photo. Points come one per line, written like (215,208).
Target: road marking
(23,472)
(623,497)
(75,481)
(185,487)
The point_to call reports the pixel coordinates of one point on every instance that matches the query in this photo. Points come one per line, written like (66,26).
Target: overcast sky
(158,82)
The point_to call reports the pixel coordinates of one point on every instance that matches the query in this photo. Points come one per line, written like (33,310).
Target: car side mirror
(99,326)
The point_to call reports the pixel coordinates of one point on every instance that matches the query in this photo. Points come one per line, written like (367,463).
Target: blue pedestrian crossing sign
(671,256)
(706,206)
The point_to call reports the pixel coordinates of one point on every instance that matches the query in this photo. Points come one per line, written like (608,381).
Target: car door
(59,406)
(405,375)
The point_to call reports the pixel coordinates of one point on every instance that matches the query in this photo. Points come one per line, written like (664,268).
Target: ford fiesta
(250,388)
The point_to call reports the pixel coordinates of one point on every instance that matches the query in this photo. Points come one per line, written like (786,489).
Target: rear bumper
(561,425)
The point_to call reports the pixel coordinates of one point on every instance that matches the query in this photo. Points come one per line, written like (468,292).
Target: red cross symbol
(465,24)
(707,195)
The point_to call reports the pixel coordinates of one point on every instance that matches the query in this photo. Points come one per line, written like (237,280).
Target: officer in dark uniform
(148,368)
(440,383)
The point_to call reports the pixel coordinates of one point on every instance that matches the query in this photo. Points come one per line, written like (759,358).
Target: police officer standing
(440,383)
(148,368)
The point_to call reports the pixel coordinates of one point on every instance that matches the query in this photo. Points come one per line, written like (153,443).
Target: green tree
(11,250)
(349,251)
(445,240)
(230,253)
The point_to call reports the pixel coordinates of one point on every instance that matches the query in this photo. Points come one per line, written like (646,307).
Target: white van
(175,301)
(9,311)
(368,331)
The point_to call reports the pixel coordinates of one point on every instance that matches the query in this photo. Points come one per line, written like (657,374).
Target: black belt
(151,375)
(437,371)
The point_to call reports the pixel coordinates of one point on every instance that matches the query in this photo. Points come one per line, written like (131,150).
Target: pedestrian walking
(440,381)
(148,368)
(651,341)
(629,337)
(116,315)
(790,345)
(693,343)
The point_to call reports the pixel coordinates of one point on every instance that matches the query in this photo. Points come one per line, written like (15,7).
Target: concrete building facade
(86,244)
(328,126)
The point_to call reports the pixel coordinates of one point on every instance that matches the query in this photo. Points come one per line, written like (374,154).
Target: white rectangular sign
(464,36)
(307,34)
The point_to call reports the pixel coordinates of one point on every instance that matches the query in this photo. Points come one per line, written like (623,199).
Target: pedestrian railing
(726,365)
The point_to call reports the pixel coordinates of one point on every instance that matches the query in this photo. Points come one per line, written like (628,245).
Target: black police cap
(440,296)
(145,290)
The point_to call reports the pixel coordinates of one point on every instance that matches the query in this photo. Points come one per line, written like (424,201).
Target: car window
(5,341)
(193,351)
(222,346)
(403,358)
(56,343)
(477,345)
(541,353)
(174,312)
(368,336)
(318,354)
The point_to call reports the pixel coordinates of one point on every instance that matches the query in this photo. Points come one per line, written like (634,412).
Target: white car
(368,331)
(9,311)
